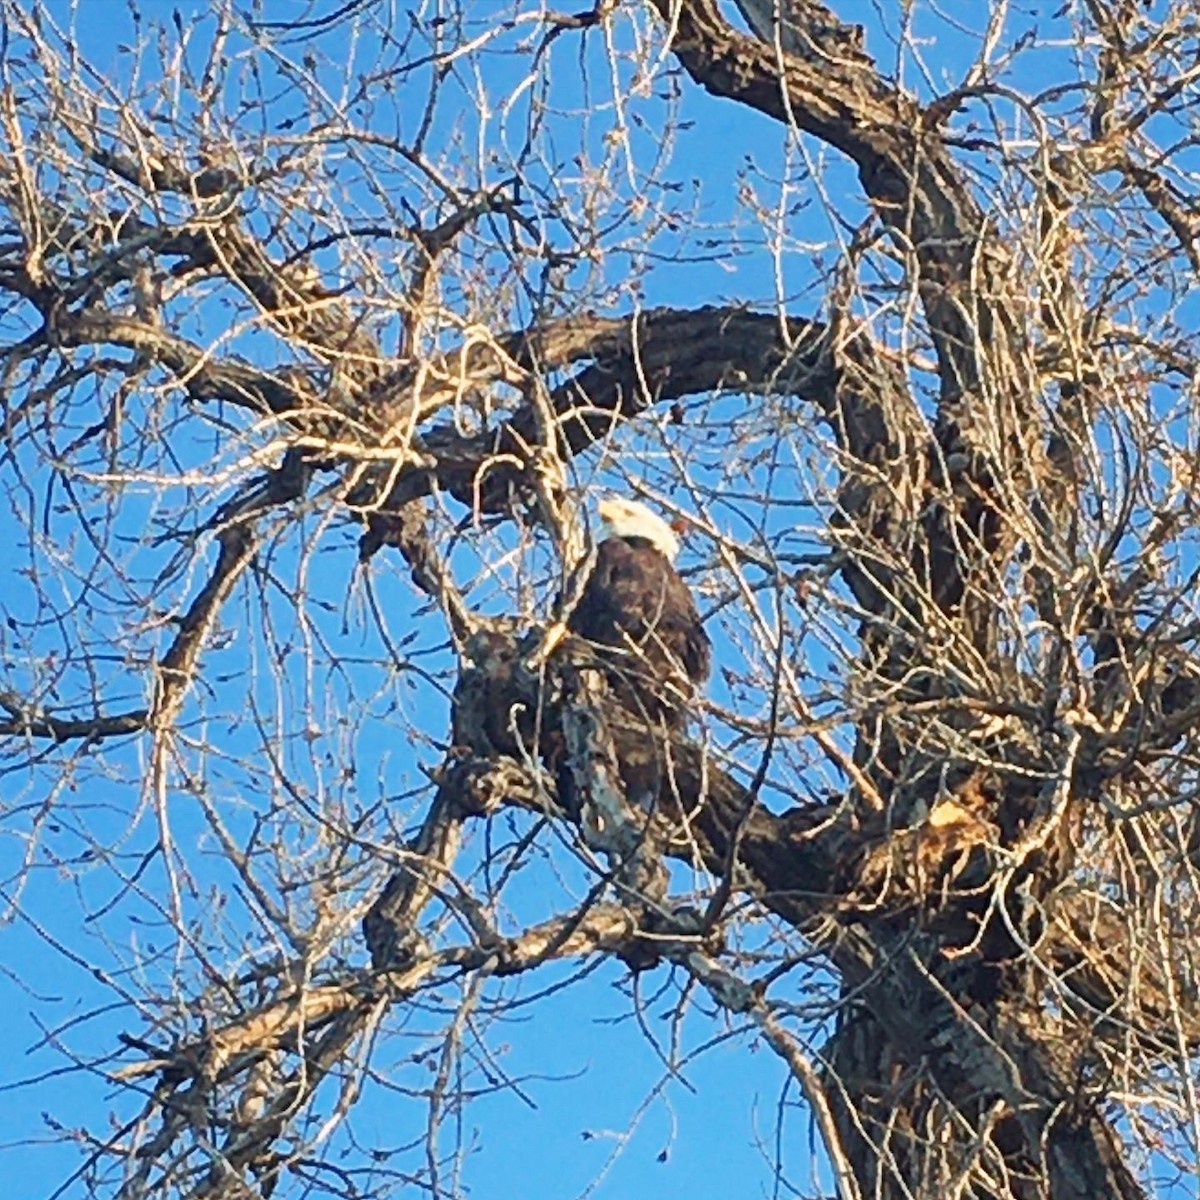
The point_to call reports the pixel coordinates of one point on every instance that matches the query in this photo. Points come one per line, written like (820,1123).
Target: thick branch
(177,667)
(205,376)
(627,364)
(64,729)
(836,94)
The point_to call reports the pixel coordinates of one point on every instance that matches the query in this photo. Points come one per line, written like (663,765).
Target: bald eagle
(640,616)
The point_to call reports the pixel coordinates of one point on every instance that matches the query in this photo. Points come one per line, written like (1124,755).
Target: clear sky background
(596,1114)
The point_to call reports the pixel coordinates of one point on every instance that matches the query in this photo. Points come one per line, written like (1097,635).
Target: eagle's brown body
(641,618)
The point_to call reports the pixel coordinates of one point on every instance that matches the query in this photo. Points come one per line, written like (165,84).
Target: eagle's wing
(681,628)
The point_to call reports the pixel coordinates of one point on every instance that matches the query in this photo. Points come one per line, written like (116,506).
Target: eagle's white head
(628,519)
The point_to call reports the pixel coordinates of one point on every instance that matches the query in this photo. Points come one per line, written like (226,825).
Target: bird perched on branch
(641,617)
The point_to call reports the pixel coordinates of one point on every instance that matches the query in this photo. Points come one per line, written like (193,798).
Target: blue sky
(594,1113)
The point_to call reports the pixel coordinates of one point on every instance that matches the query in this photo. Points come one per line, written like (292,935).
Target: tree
(319,336)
